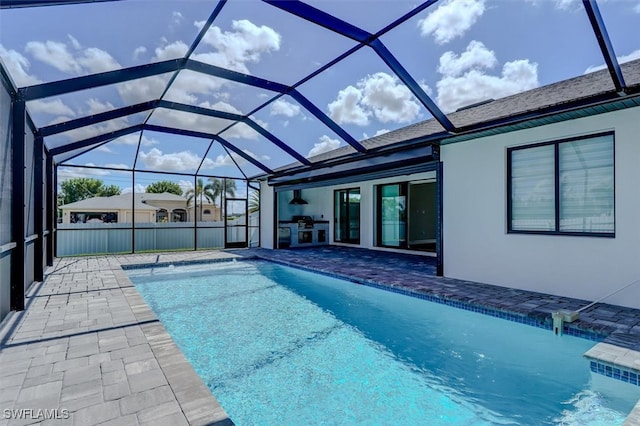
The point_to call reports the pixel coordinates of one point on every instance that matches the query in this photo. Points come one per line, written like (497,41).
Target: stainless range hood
(297,197)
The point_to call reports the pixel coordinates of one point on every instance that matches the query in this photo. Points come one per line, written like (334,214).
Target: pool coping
(198,404)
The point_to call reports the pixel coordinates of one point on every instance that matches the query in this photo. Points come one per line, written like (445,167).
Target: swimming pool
(278,345)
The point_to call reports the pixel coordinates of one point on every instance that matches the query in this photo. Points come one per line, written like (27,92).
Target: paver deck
(87,350)
(88,345)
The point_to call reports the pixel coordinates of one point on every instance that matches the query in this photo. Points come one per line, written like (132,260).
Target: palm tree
(218,190)
(254,201)
(201,191)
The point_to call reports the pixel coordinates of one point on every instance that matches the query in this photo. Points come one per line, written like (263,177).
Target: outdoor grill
(304,222)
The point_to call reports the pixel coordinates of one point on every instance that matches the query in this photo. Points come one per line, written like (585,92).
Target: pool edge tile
(615,362)
(198,404)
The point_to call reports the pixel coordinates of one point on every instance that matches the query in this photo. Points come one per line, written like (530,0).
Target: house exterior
(114,209)
(541,195)
(149,208)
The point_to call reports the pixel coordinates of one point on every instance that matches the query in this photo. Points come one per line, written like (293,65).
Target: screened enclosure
(144,125)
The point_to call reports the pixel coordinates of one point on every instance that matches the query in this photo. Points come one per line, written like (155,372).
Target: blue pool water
(278,345)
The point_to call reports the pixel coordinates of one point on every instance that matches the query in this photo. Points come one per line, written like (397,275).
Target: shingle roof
(164,196)
(115,202)
(552,95)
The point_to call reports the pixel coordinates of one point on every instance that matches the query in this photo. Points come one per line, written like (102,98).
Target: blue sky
(460,51)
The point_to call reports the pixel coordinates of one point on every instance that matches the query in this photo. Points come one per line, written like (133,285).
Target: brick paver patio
(89,346)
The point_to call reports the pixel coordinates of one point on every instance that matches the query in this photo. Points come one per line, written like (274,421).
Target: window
(564,187)
(392,215)
(347,216)
(162,216)
(406,215)
(207,211)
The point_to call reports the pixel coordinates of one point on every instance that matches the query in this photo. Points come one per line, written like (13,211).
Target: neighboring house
(540,194)
(114,209)
(171,207)
(149,208)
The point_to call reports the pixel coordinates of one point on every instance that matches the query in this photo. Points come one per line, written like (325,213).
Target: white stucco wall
(320,207)
(477,246)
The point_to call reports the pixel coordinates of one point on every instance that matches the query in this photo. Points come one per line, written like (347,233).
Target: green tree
(164,186)
(201,191)
(77,189)
(217,187)
(108,191)
(254,201)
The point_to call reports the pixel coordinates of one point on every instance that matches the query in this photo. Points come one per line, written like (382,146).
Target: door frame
(238,244)
(335,218)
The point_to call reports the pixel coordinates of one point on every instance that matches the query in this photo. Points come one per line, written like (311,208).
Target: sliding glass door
(392,215)
(406,215)
(347,216)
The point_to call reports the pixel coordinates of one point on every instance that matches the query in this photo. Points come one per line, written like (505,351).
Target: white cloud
(96,60)
(177,49)
(221,106)
(621,59)
(636,9)
(52,107)
(96,107)
(222,160)
(390,100)
(186,185)
(185,88)
(451,19)
(282,107)
(139,51)
(380,95)
(476,56)
(97,129)
(142,90)
(132,139)
(139,189)
(177,18)
(74,42)
(59,119)
(105,149)
(186,120)
(176,161)
(17,66)
(238,131)
(474,86)
(425,87)
(58,55)
(65,173)
(326,144)
(377,133)
(234,49)
(226,160)
(567,4)
(118,166)
(55,54)
(347,109)
(243,131)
